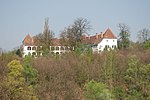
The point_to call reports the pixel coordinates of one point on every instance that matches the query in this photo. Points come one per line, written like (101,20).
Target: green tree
(30,73)
(97,91)
(109,68)
(18,52)
(14,86)
(137,80)
(124,36)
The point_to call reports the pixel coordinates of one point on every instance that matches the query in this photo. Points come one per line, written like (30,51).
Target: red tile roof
(109,34)
(98,37)
(85,39)
(28,40)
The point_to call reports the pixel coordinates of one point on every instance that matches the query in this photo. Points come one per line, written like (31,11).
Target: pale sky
(21,17)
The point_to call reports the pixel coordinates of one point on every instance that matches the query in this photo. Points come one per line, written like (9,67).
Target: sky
(21,17)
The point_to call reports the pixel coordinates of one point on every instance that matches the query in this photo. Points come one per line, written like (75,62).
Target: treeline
(115,75)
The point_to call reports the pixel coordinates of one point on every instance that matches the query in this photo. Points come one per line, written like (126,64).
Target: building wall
(32,50)
(107,43)
(29,50)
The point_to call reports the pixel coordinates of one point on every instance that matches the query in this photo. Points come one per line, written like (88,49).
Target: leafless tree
(1,51)
(143,35)
(74,32)
(44,39)
(124,35)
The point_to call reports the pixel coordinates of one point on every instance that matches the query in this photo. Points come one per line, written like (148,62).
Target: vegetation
(44,39)
(115,75)
(144,38)
(120,74)
(72,35)
(124,36)
(13,86)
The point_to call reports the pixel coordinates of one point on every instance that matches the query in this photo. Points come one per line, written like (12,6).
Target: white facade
(105,43)
(29,50)
(32,50)
(99,42)
(59,49)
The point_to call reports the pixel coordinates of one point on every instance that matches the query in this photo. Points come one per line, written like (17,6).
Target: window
(106,40)
(57,48)
(57,53)
(39,48)
(67,48)
(62,48)
(52,48)
(100,47)
(29,48)
(113,40)
(33,53)
(33,48)
(52,53)
(113,46)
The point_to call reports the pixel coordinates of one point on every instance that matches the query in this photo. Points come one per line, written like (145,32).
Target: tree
(44,39)
(144,38)
(137,80)
(144,35)
(124,36)
(30,73)
(97,91)
(18,52)
(73,34)
(14,86)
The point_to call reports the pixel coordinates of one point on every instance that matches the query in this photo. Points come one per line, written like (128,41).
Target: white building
(30,48)
(98,42)
(101,41)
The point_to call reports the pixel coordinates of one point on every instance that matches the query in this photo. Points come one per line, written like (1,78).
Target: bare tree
(44,39)
(74,32)
(144,35)
(124,35)
(1,51)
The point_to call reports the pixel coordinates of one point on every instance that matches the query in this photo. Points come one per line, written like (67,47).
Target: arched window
(33,53)
(33,48)
(57,53)
(28,48)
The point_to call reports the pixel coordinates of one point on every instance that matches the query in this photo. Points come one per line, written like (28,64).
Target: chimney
(89,37)
(102,34)
(96,36)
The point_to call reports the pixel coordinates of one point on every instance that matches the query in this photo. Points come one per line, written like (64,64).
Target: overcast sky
(21,17)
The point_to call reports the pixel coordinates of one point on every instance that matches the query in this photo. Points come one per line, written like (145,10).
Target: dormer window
(29,48)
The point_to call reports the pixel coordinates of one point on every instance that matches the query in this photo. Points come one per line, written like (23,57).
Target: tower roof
(109,34)
(28,40)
